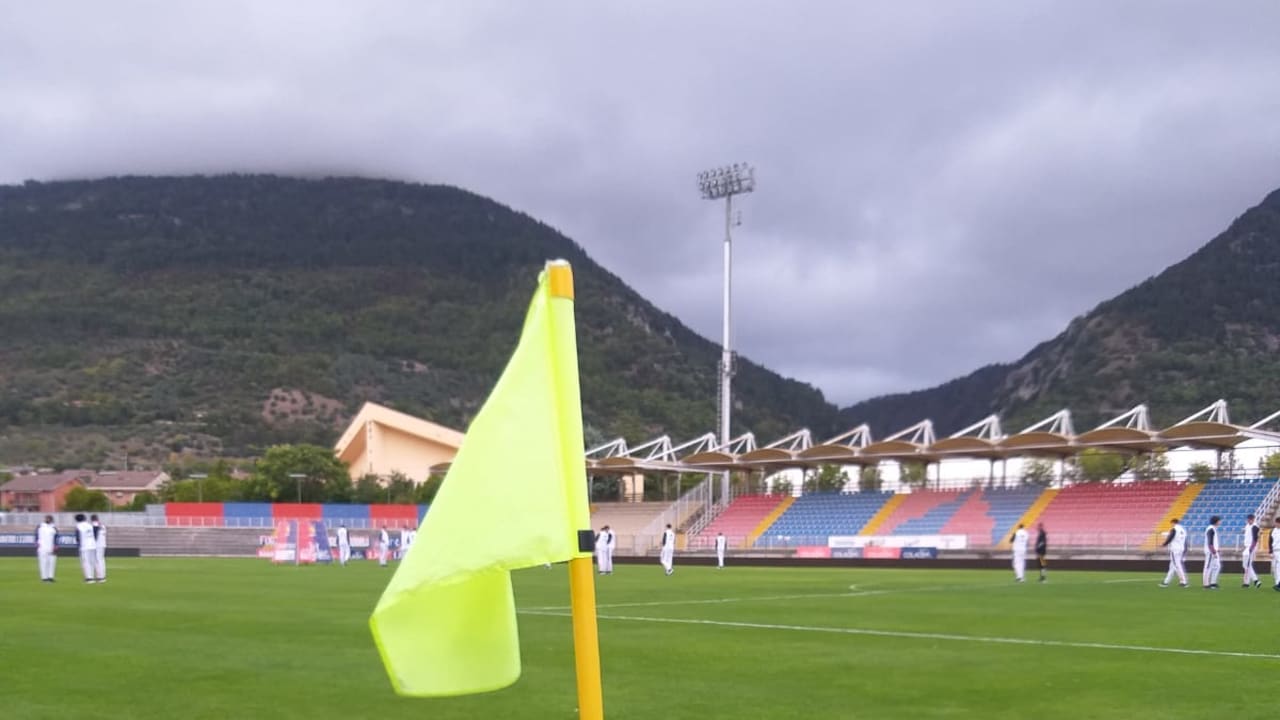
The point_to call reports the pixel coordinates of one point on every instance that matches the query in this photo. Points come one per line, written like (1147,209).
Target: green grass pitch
(206,638)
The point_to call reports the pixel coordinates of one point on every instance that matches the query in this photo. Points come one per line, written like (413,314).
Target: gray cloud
(941,185)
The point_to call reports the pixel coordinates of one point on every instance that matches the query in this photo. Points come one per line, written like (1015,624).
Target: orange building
(38,493)
(381,441)
(122,487)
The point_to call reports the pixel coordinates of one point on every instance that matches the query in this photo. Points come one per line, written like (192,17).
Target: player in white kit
(668,555)
(344,544)
(1274,541)
(88,549)
(100,555)
(1177,544)
(604,550)
(1252,536)
(384,546)
(1212,556)
(47,548)
(721,543)
(611,544)
(406,540)
(1019,541)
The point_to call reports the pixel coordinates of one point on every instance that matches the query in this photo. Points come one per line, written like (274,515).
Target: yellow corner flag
(515,497)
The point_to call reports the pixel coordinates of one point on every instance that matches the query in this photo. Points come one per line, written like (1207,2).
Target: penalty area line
(912,635)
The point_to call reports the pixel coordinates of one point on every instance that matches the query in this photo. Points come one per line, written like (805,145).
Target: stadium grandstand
(966,509)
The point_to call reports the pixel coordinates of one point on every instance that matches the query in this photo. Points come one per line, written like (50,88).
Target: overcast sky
(941,184)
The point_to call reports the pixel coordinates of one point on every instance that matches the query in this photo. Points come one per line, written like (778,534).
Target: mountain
(154,316)
(1205,328)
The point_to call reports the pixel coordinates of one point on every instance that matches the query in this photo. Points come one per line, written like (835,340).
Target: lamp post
(725,182)
(199,478)
(299,477)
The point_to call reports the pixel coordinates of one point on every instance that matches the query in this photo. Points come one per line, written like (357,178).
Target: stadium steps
(768,521)
(1030,516)
(625,518)
(873,525)
(165,541)
(1177,510)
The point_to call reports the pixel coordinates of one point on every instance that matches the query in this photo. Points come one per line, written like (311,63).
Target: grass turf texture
(206,638)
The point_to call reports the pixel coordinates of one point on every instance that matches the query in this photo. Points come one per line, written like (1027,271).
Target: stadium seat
(738,520)
(1230,499)
(815,517)
(1108,515)
(924,512)
(988,516)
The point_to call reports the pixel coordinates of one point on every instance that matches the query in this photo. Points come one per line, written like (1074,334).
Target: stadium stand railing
(691,511)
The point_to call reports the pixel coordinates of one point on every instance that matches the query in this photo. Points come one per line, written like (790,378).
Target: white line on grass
(930,636)
(769,598)
(718,601)
(774,598)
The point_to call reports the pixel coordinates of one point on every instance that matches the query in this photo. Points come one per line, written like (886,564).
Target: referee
(1042,548)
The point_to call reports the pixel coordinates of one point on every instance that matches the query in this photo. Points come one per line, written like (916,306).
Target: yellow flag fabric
(515,497)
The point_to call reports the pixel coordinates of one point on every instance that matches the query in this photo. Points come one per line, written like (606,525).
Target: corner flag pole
(586,641)
(582,589)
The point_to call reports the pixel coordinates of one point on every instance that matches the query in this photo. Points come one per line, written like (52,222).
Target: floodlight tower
(725,182)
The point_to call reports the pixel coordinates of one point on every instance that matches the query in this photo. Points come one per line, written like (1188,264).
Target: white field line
(993,640)
(1127,580)
(773,598)
(713,601)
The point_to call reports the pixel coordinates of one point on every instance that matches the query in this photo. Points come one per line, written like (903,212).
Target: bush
(870,479)
(1200,472)
(1269,466)
(827,478)
(1038,473)
(83,499)
(1097,466)
(142,500)
(914,475)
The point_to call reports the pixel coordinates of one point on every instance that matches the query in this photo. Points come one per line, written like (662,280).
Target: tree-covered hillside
(1205,328)
(218,315)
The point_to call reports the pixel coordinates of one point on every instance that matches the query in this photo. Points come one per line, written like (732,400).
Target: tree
(83,499)
(1038,473)
(1152,466)
(425,493)
(338,489)
(399,489)
(142,500)
(1269,466)
(604,488)
(870,479)
(781,485)
(1200,472)
(368,489)
(914,475)
(297,473)
(827,478)
(1097,466)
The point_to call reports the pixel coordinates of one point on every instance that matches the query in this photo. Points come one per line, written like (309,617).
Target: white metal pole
(726,355)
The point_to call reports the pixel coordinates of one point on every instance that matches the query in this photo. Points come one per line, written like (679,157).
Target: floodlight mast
(725,182)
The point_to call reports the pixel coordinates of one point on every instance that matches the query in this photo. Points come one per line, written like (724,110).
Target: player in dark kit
(1042,549)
